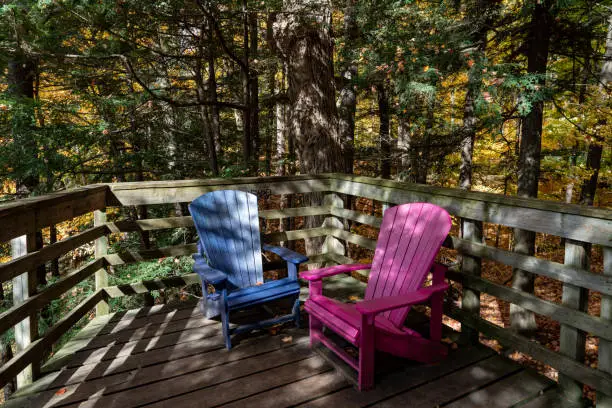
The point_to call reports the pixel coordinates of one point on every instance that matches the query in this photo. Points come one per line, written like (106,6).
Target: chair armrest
(318,274)
(287,254)
(209,275)
(375,306)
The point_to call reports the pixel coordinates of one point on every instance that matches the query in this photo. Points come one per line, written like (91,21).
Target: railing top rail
(213,181)
(166,192)
(9,208)
(535,203)
(25,216)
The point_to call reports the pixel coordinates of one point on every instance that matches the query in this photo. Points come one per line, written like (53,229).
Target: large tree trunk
(471,229)
(281,140)
(284,148)
(383,133)
(481,14)
(254,92)
(405,171)
(468,131)
(302,34)
(208,128)
(214,109)
(21,79)
(423,158)
(271,80)
(281,129)
(347,100)
(523,320)
(593,163)
(247,143)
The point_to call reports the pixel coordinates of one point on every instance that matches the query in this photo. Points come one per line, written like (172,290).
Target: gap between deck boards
(148,367)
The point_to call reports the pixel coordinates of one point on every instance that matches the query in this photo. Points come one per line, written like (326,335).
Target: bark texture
(302,35)
(254,90)
(405,150)
(347,99)
(21,79)
(383,133)
(594,154)
(523,320)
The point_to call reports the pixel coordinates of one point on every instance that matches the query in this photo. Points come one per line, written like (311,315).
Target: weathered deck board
(393,383)
(113,351)
(507,392)
(547,399)
(294,393)
(454,385)
(163,357)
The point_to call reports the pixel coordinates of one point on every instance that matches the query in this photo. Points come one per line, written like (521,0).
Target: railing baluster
(101,250)
(24,286)
(333,245)
(604,359)
(572,341)
(471,230)
(385,207)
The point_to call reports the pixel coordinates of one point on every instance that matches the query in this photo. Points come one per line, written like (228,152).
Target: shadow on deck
(166,357)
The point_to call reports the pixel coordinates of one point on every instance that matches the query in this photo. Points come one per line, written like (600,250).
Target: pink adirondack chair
(410,237)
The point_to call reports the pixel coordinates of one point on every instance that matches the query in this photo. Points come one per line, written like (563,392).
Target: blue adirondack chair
(229,260)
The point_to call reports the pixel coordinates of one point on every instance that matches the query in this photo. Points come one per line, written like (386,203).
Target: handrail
(26,216)
(534,203)
(585,224)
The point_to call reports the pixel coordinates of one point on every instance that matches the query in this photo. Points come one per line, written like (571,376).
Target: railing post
(471,230)
(101,249)
(333,245)
(24,286)
(385,207)
(604,359)
(572,341)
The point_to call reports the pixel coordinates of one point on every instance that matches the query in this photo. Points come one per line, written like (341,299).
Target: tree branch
(130,69)
(219,34)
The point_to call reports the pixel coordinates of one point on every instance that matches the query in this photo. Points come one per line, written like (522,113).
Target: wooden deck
(163,357)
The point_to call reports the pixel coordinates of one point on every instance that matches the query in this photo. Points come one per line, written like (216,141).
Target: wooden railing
(581,227)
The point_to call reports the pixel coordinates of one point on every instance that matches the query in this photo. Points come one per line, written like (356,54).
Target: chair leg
(316,330)
(225,322)
(225,327)
(296,312)
(435,322)
(365,375)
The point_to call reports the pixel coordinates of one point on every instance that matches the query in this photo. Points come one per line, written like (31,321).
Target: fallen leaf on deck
(61,391)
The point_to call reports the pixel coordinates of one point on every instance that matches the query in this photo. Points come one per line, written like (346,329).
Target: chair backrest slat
(228,225)
(409,239)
